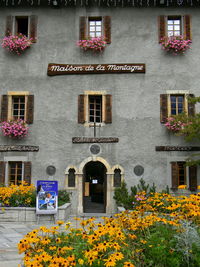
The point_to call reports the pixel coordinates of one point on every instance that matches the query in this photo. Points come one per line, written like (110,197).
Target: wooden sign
(177,148)
(63,69)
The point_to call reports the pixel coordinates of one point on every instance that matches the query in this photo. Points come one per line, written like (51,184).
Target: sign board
(47,197)
(177,148)
(63,69)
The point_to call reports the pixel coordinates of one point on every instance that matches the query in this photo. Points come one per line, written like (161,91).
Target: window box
(96,44)
(16,43)
(14,129)
(178,123)
(175,44)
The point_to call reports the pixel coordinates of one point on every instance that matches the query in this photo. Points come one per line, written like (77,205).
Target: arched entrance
(94,187)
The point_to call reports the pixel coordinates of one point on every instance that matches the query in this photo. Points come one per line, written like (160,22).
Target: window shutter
(163,108)
(27,172)
(9,25)
(107,28)
(108,109)
(187,27)
(81,108)
(191,107)
(83,28)
(30,109)
(33,28)
(193,178)
(161,27)
(2,173)
(174,172)
(4,108)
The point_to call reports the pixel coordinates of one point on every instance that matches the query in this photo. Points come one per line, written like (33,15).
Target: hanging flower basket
(175,44)
(175,125)
(96,44)
(16,43)
(14,129)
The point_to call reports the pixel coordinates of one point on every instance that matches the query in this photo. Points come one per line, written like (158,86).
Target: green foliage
(123,198)
(63,197)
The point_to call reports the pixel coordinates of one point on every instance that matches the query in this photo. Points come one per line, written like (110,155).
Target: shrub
(14,129)
(16,43)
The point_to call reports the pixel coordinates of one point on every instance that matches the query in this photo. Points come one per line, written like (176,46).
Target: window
(174,26)
(17,105)
(182,175)
(95,107)
(117,178)
(174,104)
(95,27)
(14,171)
(26,25)
(71,178)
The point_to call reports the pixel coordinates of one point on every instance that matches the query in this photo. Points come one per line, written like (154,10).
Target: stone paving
(11,233)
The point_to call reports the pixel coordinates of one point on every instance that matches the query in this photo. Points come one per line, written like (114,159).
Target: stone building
(97,118)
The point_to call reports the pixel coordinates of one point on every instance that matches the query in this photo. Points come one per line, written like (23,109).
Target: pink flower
(17,128)
(96,44)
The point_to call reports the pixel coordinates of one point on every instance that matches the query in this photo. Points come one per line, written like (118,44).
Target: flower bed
(16,43)
(175,44)
(161,231)
(96,44)
(14,129)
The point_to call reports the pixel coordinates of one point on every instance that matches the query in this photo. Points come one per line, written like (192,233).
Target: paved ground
(11,233)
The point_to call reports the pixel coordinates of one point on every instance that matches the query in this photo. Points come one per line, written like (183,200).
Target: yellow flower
(184,186)
(81,261)
(128,264)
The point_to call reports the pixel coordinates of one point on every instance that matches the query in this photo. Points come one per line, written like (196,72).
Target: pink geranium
(175,125)
(16,43)
(96,44)
(14,129)
(175,44)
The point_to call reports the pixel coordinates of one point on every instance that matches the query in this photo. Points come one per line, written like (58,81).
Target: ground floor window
(15,174)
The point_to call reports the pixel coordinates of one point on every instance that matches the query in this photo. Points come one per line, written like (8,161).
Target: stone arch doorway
(94,187)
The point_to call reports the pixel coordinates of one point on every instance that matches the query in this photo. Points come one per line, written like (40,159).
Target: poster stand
(53,216)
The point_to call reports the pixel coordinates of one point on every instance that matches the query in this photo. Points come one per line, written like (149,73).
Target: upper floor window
(17,105)
(174,26)
(95,27)
(174,104)
(27,25)
(94,107)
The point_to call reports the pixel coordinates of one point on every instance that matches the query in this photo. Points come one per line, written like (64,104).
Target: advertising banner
(47,197)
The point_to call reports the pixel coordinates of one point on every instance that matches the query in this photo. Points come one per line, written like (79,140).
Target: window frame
(15,25)
(67,172)
(16,169)
(180,18)
(185,104)
(95,19)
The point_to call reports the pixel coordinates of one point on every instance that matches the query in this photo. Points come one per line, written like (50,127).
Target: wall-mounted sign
(47,197)
(63,69)
(177,148)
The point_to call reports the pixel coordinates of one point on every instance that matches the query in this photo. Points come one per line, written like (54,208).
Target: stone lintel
(79,140)
(5,148)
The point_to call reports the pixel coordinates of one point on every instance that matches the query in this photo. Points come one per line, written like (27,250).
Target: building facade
(101,120)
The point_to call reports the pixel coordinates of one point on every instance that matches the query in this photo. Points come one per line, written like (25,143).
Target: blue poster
(47,197)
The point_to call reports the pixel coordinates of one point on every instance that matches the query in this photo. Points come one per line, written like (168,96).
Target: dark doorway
(94,187)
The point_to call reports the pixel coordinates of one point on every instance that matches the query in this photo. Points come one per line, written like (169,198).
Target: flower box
(175,44)
(96,44)
(16,43)
(14,129)
(176,124)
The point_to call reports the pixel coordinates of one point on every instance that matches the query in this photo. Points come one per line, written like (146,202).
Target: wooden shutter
(4,108)
(30,109)
(161,27)
(163,108)
(193,178)
(2,173)
(174,173)
(9,25)
(83,28)
(191,107)
(27,172)
(81,108)
(108,108)
(33,28)
(187,27)
(107,28)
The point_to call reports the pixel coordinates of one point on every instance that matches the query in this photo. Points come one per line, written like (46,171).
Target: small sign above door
(63,69)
